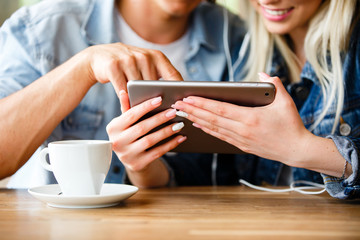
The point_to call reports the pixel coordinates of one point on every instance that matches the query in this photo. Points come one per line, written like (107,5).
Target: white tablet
(251,94)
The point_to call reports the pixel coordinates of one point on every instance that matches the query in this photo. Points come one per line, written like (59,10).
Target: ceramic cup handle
(43,161)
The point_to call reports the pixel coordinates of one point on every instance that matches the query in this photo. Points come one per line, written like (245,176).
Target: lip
(276,14)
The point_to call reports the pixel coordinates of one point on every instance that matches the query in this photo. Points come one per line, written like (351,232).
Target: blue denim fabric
(37,39)
(308,98)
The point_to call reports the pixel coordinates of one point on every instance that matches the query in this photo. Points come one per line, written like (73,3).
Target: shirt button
(193,69)
(345,129)
(70,120)
(116,169)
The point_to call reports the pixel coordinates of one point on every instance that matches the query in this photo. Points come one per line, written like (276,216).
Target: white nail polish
(178,126)
(156,100)
(181,114)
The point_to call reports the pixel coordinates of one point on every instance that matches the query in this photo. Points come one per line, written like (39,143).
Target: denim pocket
(83,118)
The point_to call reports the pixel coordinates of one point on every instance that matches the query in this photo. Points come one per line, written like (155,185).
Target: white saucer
(111,194)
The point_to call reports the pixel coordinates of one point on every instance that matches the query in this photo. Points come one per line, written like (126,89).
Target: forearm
(155,175)
(322,155)
(28,117)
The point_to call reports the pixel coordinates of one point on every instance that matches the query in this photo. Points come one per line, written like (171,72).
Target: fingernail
(181,139)
(171,113)
(196,125)
(177,106)
(121,92)
(263,76)
(188,100)
(178,126)
(182,114)
(156,101)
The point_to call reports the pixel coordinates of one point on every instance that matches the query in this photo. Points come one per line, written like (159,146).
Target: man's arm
(28,116)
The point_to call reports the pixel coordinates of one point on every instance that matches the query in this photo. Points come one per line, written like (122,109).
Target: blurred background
(7,7)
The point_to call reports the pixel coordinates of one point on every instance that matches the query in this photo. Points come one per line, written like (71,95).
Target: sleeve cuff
(344,188)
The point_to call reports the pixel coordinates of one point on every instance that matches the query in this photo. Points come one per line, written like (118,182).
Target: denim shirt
(308,97)
(37,39)
(197,169)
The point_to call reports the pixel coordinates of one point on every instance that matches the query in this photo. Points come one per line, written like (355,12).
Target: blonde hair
(327,37)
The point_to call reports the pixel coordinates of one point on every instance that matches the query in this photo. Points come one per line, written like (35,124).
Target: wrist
(301,154)
(154,175)
(83,64)
(321,155)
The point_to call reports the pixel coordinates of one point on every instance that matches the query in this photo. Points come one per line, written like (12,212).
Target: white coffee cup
(79,166)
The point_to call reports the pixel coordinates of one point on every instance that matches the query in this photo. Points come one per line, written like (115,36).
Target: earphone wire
(310,186)
(226,45)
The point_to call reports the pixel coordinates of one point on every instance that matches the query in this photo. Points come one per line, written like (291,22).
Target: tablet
(251,94)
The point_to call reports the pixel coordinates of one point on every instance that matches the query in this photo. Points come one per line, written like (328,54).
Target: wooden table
(185,213)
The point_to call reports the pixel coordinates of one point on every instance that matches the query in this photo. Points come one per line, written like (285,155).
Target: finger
(149,156)
(164,67)
(132,115)
(140,129)
(263,77)
(238,142)
(154,138)
(145,64)
(124,101)
(130,66)
(117,79)
(215,123)
(224,109)
(149,72)
(279,86)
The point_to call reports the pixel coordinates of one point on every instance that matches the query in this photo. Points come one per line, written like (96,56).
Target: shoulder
(51,11)
(44,17)
(39,34)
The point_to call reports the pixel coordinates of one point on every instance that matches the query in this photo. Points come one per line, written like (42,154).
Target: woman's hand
(275,131)
(118,63)
(131,141)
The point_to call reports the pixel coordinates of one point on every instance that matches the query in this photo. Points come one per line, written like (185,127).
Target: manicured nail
(188,100)
(178,126)
(181,139)
(156,101)
(182,114)
(196,125)
(122,92)
(177,106)
(171,113)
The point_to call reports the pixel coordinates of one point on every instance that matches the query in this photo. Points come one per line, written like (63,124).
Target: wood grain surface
(185,213)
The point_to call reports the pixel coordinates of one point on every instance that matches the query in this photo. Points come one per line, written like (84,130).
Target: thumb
(280,90)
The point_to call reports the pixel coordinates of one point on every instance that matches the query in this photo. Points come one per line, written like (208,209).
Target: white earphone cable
(226,45)
(311,186)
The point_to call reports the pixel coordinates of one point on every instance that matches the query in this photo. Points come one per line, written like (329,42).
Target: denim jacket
(198,169)
(37,39)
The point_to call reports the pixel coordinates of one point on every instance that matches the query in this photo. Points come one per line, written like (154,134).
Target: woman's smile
(276,14)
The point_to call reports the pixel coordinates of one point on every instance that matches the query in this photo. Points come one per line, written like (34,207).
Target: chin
(281,30)
(180,8)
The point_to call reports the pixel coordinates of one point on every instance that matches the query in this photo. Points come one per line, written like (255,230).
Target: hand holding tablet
(251,94)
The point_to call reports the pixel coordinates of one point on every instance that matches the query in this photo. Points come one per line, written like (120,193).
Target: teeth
(275,12)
